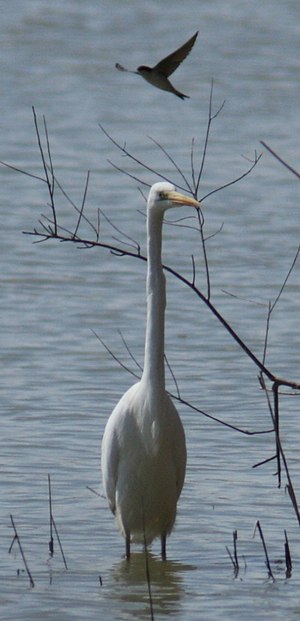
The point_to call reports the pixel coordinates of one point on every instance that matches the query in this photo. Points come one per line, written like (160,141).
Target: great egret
(158,75)
(143,446)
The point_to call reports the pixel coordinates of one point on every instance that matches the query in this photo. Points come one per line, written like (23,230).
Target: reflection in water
(130,584)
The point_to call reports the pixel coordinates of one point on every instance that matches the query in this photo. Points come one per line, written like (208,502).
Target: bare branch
(236,180)
(133,358)
(272,305)
(49,180)
(177,396)
(203,245)
(140,163)
(82,205)
(211,118)
(134,244)
(277,157)
(285,280)
(173,376)
(128,174)
(171,159)
(111,353)
(78,209)
(23,172)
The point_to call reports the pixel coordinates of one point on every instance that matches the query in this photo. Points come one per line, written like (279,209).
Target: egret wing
(168,65)
(109,464)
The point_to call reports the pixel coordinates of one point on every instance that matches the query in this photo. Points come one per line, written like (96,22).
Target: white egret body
(143,447)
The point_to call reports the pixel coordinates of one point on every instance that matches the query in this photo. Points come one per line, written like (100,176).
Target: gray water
(58,383)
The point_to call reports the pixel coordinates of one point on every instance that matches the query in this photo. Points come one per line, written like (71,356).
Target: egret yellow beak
(181,199)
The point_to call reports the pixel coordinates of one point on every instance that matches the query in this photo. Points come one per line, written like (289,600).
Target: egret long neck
(154,368)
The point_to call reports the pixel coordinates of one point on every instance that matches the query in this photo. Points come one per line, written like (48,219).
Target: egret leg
(163,548)
(127,547)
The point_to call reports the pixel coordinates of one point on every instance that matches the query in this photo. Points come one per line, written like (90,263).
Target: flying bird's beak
(182,199)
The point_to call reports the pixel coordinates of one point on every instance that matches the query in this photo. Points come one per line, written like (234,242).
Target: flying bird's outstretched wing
(168,65)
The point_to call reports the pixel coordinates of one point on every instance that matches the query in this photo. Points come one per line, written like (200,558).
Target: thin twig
(60,544)
(234,557)
(267,561)
(17,538)
(173,376)
(50,183)
(51,167)
(174,163)
(264,461)
(148,578)
(273,304)
(289,486)
(277,157)
(266,339)
(275,388)
(134,244)
(51,542)
(82,205)
(193,280)
(77,209)
(234,181)
(203,245)
(288,558)
(133,358)
(211,118)
(94,491)
(23,172)
(142,164)
(111,353)
(52,523)
(285,280)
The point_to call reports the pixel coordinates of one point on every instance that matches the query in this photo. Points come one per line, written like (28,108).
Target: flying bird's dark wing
(167,65)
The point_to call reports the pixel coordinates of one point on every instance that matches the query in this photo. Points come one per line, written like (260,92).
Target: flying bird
(143,448)
(158,75)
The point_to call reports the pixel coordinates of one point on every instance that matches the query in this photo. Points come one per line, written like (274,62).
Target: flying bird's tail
(181,95)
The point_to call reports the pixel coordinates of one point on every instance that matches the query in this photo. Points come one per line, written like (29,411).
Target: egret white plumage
(143,447)
(158,75)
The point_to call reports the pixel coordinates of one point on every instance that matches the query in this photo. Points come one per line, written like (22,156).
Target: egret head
(163,195)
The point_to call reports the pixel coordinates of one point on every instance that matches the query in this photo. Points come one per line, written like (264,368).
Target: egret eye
(162,196)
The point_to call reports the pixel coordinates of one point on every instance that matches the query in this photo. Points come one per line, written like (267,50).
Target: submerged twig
(234,557)
(17,538)
(267,560)
(288,558)
(52,523)
(280,454)
(148,578)
(51,541)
